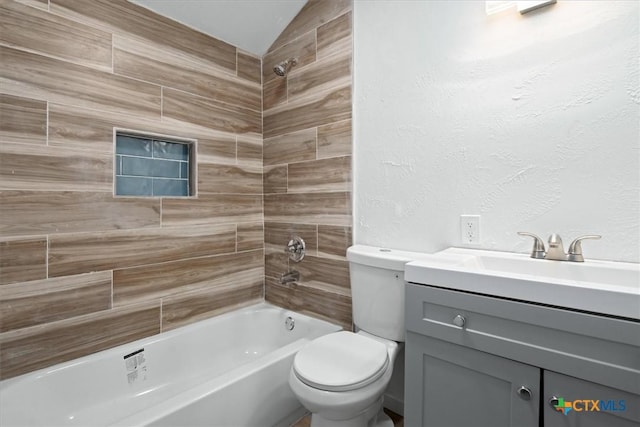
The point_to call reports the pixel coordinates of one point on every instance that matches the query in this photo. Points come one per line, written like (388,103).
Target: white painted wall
(530,121)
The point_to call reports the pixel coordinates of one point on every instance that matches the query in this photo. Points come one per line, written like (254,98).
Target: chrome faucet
(556,249)
(290,277)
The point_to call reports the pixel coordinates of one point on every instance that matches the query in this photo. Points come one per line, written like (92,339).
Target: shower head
(283,68)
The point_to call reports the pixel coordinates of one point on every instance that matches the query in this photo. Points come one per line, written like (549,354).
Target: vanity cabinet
(476,360)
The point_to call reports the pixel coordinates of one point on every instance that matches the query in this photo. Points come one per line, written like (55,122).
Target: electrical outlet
(470,229)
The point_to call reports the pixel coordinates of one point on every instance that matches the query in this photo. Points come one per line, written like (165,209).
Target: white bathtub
(230,370)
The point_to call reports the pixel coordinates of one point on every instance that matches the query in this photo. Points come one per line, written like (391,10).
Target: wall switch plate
(470,229)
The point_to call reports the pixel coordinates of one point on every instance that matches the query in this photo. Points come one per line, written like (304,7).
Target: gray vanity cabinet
(451,385)
(615,408)
(474,360)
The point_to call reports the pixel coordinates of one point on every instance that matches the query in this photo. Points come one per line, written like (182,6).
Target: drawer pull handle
(459,321)
(524,393)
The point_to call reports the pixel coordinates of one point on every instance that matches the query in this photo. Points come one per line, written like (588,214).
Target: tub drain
(289,323)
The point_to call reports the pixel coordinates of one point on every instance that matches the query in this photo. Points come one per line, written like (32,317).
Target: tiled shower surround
(82,270)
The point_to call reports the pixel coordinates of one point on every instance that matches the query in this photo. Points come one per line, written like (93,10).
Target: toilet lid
(341,361)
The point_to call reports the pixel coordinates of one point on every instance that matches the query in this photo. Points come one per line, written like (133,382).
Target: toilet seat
(341,361)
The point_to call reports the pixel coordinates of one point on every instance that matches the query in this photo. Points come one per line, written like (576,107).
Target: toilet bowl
(341,378)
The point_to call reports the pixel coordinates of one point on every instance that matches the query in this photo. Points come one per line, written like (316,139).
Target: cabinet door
(614,408)
(447,385)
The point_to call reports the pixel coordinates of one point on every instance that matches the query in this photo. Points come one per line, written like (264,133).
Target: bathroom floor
(398,421)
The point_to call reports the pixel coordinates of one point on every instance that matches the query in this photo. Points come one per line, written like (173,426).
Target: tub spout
(292,276)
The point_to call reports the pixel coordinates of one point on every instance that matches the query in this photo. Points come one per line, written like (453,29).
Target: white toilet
(341,377)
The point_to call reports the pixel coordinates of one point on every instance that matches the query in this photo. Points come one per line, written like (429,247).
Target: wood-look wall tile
(250,236)
(149,62)
(37,167)
(303,49)
(326,270)
(330,106)
(334,139)
(276,237)
(28,349)
(86,129)
(187,308)
(274,92)
(333,241)
(331,306)
(31,28)
(23,120)
(311,16)
(292,147)
(85,252)
(23,260)
(45,212)
(275,179)
(249,67)
(313,208)
(125,18)
(43,301)
(35,76)
(152,282)
(220,179)
(209,113)
(333,174)
(250,150)
(320,77)
(334,37)
(221,150)
(42,4)
(217,209)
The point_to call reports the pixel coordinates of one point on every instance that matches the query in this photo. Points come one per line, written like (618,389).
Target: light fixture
(523,7)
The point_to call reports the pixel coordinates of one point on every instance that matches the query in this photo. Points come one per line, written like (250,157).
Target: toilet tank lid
(390,259)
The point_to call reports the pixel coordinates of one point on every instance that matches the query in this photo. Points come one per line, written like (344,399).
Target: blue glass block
(166,169)
(133,146)
(137,166)
(131,186)
(184,170)
(170,150)
(170,187)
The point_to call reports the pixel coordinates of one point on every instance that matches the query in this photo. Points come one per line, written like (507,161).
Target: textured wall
(307,160)
(80,270)
(530,121)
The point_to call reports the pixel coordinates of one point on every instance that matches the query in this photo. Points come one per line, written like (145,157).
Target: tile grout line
(111,289)
(46,261)
(113,68)
(47,125)
(161,103)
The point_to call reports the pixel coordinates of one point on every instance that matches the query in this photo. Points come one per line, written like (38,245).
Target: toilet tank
(377,289)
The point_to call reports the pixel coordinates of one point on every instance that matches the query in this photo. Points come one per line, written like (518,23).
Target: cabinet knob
(553,401)
(459,321)
(524,393)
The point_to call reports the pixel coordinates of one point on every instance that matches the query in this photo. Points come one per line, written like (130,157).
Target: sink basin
(605,287)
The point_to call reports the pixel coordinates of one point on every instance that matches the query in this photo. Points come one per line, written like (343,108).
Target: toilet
(341,377)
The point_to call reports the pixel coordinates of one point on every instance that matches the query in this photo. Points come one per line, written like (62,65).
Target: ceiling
(251,25)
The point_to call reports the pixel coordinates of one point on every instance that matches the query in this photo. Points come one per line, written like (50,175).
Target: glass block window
(147,166)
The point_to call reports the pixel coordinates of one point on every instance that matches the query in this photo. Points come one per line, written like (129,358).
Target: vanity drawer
(597,348)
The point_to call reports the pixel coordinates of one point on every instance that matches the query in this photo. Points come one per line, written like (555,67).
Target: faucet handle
(538,245)
(575,248)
